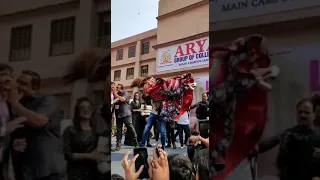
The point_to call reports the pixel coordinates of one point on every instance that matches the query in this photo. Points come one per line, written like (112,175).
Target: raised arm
(41,116)
(193,106)
(269,143)
(123,98)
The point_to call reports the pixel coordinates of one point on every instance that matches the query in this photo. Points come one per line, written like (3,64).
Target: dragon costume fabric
(175,93)
(238,101)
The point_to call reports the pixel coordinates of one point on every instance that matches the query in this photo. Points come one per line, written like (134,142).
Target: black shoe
(168,146)
(117,148)
(149,145)
(136,145)
(174,146)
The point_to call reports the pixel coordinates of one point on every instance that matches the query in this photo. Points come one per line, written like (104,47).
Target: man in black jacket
(296,152)
(123,114)
(202,111)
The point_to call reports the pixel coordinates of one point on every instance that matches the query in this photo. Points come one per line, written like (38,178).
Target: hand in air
(159,166)
(128,167)
(193,139)
(192,85)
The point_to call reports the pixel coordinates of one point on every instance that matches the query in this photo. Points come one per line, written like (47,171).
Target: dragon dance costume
(238,103)
(175,94)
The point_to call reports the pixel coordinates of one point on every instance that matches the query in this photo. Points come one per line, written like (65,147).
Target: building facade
(178,45)
(44,36)
(292,30)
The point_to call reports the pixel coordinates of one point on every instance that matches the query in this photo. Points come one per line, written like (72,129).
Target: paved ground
(116,157)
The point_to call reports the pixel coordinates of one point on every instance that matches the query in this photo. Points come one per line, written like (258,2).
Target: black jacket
(202,111)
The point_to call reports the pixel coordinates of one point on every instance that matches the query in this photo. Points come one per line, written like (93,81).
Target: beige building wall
(178,22)
(135,62)
(285,31)
(40,14)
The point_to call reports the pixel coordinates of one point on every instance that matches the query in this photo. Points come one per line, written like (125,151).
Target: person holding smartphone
(123,115)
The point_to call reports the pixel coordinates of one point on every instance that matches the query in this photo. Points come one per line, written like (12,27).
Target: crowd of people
(140,115)
(31,146)
(298,156)
(164,166)
(143,113)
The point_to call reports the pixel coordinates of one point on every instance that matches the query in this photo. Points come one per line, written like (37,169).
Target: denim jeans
(161,126)
(186,129)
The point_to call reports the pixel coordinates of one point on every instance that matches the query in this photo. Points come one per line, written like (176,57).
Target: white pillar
(84,26)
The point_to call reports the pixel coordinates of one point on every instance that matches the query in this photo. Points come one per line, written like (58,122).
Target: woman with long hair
(175,94)
(80,144)
(239,73)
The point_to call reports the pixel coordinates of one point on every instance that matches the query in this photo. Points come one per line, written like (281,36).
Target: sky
(131,17)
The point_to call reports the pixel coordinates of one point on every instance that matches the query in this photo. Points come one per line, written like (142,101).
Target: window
(132,51)
(62,36)
(130,73)
(117,75)
(98,97)
(145,48)
(64,101)
(104,29)
(144,71)
(20,43)
(119,54)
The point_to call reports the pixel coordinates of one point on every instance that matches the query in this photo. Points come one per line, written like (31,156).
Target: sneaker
(117,148)
(174,146)
(182,146)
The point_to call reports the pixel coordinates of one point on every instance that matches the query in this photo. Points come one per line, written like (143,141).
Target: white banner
(184,55)
(202,82)
(224,10)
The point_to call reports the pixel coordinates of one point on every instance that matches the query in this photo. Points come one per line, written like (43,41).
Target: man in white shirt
(183,126)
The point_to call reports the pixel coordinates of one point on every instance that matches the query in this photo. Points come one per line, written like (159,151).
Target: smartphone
(142,160)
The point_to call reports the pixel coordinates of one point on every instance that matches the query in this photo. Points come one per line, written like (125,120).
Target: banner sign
(224,10)
(299,67)
(202,82)
(184,55)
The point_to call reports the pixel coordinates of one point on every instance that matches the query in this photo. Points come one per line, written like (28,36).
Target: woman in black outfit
(80,143)
(136,115)
(136,118)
